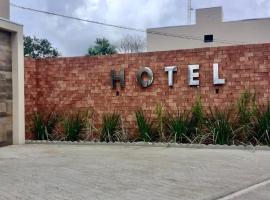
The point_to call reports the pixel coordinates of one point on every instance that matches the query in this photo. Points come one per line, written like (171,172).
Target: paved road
(132,173)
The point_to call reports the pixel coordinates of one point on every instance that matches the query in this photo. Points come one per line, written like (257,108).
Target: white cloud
(74,37)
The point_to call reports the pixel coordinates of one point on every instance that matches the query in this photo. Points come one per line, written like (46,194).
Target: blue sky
(73,38)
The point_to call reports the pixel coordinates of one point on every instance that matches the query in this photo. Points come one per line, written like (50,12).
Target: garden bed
(243,123)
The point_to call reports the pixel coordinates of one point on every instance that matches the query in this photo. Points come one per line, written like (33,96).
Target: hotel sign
(145,76)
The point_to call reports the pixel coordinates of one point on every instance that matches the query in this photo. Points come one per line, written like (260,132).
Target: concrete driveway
(125,172)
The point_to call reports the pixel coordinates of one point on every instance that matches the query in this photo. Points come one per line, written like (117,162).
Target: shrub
(38,128)
(58,132)
(219,127)
(90,131)
(246,111)
(160,122)
(45,125)
(51,122)
(144,126)
(263,126)
(74,125)
(245,124)
(196,120)
(110,128)
(124,137)
(178,127)
(246,106)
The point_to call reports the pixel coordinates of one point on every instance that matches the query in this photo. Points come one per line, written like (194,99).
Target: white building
(209,31)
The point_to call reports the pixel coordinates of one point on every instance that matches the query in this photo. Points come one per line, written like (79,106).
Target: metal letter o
(149,81)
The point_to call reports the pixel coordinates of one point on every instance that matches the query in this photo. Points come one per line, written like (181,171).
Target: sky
(73,38)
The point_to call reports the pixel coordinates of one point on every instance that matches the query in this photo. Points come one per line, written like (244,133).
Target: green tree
(39,48)
(102,47)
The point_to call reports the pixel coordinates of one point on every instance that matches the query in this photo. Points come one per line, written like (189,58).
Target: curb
(158,144)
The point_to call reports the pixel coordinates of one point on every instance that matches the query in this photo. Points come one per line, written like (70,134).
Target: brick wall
(31,89)
(83,82)
(5,89)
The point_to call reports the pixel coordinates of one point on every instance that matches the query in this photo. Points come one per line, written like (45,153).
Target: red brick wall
(83,82)
(30,76)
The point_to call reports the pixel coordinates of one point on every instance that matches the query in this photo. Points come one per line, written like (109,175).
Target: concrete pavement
(127,172)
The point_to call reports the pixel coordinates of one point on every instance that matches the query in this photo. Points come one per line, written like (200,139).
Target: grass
(219,126)
(246,112)
(44,125)
(144,126)
(178,127)
(38,127)
(197,120)
(74,125)
(110,128)
(160,122)
(263,127)
(240,123)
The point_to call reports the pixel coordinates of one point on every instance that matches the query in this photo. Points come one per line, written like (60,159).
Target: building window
(208,38)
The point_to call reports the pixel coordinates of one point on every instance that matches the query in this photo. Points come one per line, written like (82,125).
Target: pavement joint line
(246,190)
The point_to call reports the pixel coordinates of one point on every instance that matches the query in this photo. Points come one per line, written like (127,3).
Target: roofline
(190,25)
(215,7)
(11,22)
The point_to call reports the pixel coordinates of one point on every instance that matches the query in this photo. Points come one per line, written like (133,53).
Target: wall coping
(195,50)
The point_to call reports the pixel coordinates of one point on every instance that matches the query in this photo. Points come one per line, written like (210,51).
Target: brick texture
(84,82)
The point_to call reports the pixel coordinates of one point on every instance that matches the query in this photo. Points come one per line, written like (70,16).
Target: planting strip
(158,144)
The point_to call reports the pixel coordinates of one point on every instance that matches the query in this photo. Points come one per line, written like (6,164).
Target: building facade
(12,129)
(209,31)
(4,9)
